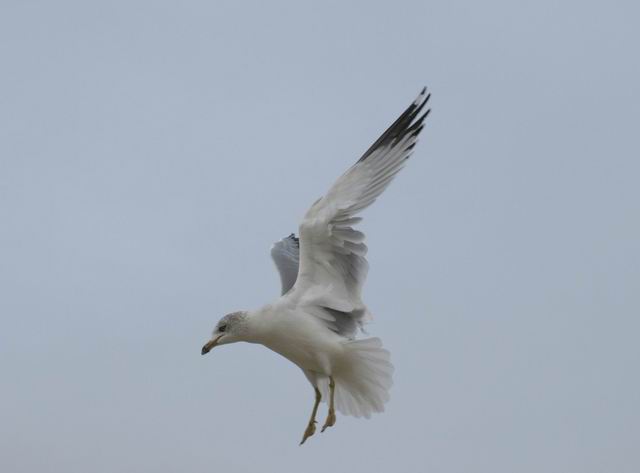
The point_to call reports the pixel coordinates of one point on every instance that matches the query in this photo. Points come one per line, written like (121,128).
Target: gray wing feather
(286,255)
(333,265)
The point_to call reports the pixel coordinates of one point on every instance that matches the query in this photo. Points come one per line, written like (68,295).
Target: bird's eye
(222,328)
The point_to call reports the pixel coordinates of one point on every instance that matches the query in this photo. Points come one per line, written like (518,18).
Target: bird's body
(299,337)
(315,321)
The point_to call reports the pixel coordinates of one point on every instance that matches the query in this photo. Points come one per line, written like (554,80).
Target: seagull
(315,321)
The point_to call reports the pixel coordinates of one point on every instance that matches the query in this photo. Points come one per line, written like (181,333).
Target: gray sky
(151,152)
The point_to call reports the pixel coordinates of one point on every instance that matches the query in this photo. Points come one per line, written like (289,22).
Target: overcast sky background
(151,152)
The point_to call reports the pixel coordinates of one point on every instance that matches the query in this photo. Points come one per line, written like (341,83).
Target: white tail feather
(363,378)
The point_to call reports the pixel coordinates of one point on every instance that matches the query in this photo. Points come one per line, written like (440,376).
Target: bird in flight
(315,321)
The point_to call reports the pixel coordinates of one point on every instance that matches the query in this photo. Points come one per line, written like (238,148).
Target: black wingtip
(405,124)
(295,239)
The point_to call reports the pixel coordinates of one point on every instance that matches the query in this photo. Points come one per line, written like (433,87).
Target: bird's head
(229,329)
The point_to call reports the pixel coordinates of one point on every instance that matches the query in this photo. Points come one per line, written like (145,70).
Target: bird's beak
(210,344)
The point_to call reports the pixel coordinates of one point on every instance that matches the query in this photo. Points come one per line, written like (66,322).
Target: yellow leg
(331,418)
(311,427)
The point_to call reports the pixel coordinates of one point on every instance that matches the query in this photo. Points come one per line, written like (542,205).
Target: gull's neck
(257,323)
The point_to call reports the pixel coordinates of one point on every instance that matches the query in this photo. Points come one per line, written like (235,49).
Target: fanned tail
(363,378)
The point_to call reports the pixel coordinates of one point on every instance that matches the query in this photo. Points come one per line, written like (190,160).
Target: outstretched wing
(333,266)
(286,255)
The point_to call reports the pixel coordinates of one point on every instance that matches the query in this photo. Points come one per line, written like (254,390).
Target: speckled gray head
(228,330)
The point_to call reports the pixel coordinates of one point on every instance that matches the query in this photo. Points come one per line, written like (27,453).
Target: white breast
(299,337)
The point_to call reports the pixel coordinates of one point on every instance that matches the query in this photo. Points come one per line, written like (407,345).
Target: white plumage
(315,321)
